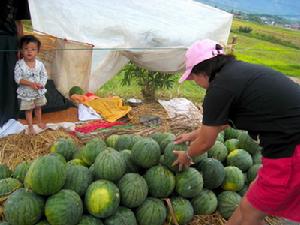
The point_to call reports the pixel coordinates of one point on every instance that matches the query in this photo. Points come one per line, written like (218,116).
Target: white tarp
(140,28)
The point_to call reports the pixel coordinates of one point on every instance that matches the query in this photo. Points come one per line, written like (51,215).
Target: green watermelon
(102,198)
(232,144)
(89,220)
(78,179)
(123,216)
(248,144)
(59,156)
(212,171)
(230,133)
(125,141)
(112,140)
(160,180)
(228,201)
(257,158)
(234,179)
(189,183)
(5,172)
(78,162)
(130,166)
(9,185)
(252,172)
(90,151)
(239,158)
(46,175)
(109,165)
(23,208)
(145,153)
(151,212)
(183,210)
(76,90)
(21,170)
(218,151)
(133,189)
(170,157)
(64,207)
(64,146)
(205,203)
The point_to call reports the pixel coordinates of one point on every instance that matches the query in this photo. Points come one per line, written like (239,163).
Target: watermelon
(218,151)
(59,156)
(230,133)
(160,180)
(109,165)
(205,203)
(112,140)
(133,189)
(9,185)
(130,166)
(228,201)
(76,90)
(151,212)
(252,172)
(77,162)
(123,216)
(64,146)
(5,172)
(189,183)
(102,198)
(248,144)
(212,171)
(64,207)
(78,179)
(183,210)
(170,157)
(234,179)
(257,158)
(21,170)
(90,151)
(46,175)
(232,144)
(145,153)
(23,208)
(125,141)
(239,158)
(89,220)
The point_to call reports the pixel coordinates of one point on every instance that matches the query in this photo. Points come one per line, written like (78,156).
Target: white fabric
(69,126)
(181,107)
(171,24)
(87,113)
(12,126)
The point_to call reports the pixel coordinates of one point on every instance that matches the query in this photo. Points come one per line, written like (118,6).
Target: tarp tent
(153,34)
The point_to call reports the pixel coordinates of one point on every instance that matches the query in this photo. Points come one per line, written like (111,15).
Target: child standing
(31,76)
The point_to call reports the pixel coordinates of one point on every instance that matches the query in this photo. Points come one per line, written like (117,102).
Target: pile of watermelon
(128,180)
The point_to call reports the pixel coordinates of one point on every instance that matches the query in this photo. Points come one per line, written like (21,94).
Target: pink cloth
(276,190)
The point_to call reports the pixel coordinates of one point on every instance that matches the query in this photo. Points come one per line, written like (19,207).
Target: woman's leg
(38,114)
(246,214)
(28,114)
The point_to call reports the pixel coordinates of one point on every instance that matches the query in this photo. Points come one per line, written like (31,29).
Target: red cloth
(276,190)
(89,127)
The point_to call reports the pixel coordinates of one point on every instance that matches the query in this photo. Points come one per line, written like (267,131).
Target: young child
(31,76)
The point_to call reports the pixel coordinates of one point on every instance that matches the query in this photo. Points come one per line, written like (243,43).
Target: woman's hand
(182,138)
(183,160)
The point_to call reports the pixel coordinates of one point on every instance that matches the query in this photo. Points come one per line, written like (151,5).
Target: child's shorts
(276,191)
(28,105)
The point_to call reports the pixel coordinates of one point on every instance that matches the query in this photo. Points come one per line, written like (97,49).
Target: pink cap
(198,52)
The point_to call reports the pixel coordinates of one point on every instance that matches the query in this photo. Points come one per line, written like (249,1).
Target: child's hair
(26,39)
